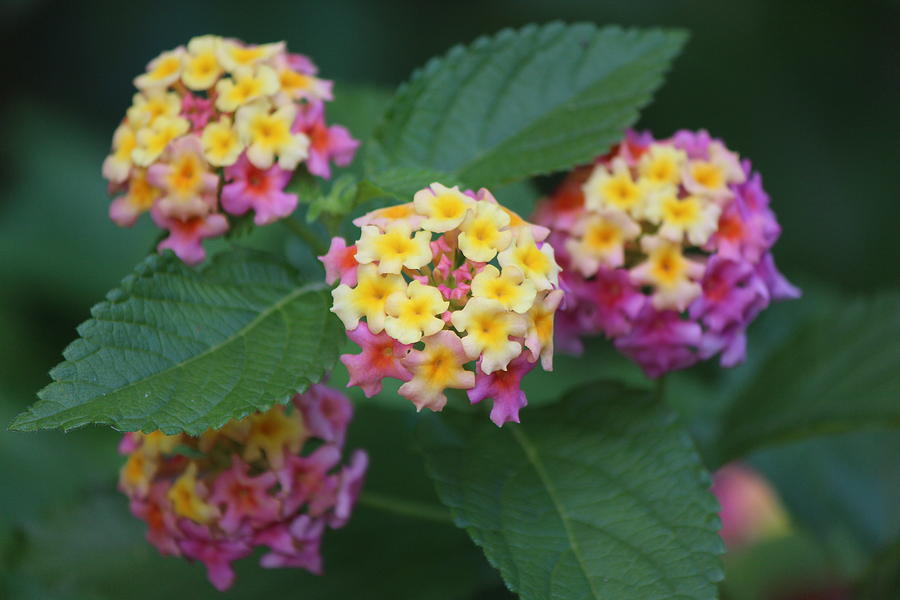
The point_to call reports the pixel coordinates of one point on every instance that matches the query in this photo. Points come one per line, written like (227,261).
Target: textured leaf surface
(400,184)
(523,102)
(599,496)
(180,349)
(838,371)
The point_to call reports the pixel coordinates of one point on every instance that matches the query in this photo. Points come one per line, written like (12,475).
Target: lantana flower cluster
(451,290)
(220,125)
(666,249)
(272,479)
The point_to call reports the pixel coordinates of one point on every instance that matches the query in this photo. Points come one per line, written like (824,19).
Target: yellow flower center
(448,206)
(166,67)
(186,175)
(394,245)
(601,236)
(292,81)
(682,212)
(246,56)
(668,266)
(621,191)
(708,175)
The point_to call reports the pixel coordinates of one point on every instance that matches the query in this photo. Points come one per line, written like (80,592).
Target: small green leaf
(400,184)
(599,496)
(836,372)
(181,349)
(523,102)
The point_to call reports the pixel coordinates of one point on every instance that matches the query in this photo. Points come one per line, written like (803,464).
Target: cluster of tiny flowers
(666,249)
(272,479)
(216,126)
(447,279)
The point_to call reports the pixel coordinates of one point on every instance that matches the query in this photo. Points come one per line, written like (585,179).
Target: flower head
(220,126)
(450,285)
(666,247)
(215,497)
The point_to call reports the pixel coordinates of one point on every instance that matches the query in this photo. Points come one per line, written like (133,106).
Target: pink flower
(750,508)
(326,412)
(779,287)
(352,479)
(301,477)
(243,497)
(189,186)
(216,553)
(162,527)
(340,262)
(296,545)
(260,189)
(612,301)
(185,236)
(325,143)
(694,143)
(661,341)
(381,357)
(505,388)
(198,110)
(730,289)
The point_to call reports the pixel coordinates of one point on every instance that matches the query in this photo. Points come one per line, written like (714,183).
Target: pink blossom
(694,143)
(730,289)
(340,262)
(325,143)
(301,63)
(162,527)
(381,357)
(505,388)
(661,341)
(185,236)
(750,509)
(198,110)
(260,189)
(301,477)
(352,479)
(296,545)
(612,301)
(779,287)
(326,412)
(215,552)
(242,496)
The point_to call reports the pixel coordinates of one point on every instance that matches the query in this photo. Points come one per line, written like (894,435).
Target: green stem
(406,508)
(307,234)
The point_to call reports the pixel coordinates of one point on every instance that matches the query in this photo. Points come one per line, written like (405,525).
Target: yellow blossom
(412,313)
(394,249)
(233,55)
(613,190)
(673,276)
(693,217)
(488,326)
(154,103)
(367,299)
(599,239)
(246,85)
(443,208)
(221,143)
(272,433)
(186,500)
(137,472)
(509,288)
(117,165)
(202,67)
(162,71)
(539,339)
(537,264)
(267,134)
(661,165)
(153,139)
(298,86)
(483,233)
(438,366)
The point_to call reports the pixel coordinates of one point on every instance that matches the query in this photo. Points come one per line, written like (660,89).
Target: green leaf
(523,102)
(400,184)
(599,496)
(837,372)
(181,349)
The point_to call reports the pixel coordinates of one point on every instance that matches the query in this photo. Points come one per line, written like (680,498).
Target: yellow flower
(187,501)
(537,264)
(246,86)
(153,139)
(615,190)
(661,165)
(117,165)
(385,217)
(692,217)
(672,274)
(539,339)
(488,326)
(137,472)
(482,233)
(233,55)
(267,134)
(599,239)
(221,144)
(711,177)
(394,249)
(438,366)
(202,67)
(412,313)
(367,299)
(443,208)
(272,432)
(162,71)
(300,85)
(509,288)
(154,103)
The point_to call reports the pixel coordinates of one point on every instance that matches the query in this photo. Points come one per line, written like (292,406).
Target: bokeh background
(807,90)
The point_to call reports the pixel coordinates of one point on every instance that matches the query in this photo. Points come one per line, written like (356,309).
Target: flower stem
(406,508)
(307,234)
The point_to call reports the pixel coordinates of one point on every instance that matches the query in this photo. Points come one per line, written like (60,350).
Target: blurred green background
(807,90)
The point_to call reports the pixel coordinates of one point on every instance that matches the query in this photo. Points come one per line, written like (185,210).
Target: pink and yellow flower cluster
(665,246)
(220,125)
(272,479)
(449,279)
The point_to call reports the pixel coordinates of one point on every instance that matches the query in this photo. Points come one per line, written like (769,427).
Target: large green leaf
(600,496)
(836,372)
(179,349)
(523,102)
